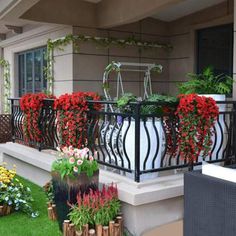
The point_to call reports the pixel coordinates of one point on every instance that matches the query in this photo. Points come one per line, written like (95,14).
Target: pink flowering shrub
(72,161)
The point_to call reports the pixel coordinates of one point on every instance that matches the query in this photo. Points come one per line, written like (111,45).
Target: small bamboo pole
(120,213)
(116,229)
(111,228)
(92,232)
(50,213)
(66,227)
(78,233)
(85,230)
(1,210)
(105,231)
(8,210)
(98,230)
(119,220)
(4,210)
(71,230)
(54,213)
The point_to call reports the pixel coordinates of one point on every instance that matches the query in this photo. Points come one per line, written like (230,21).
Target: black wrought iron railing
(141,141)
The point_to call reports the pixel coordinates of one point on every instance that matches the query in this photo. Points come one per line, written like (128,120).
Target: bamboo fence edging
(5,210)
(52,214)
(115,228)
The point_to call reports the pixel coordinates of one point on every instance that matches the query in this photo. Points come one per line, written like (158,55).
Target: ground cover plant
(19,224)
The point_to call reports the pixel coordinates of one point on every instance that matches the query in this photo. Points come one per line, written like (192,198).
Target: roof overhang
(184,8)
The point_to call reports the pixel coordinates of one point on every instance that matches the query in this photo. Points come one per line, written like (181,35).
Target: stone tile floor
(172,229)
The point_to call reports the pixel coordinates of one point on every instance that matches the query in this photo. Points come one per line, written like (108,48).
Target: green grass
(19,224)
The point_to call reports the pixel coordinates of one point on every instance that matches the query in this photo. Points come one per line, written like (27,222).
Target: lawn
(19,224)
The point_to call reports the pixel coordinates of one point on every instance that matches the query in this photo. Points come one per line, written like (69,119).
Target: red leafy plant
(72,117)
(30,105)
(197,116)
(96,207)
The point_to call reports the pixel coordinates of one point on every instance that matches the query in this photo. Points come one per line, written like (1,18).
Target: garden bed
(21,224)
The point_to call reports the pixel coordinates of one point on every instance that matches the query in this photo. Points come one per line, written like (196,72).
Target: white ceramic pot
(129,142)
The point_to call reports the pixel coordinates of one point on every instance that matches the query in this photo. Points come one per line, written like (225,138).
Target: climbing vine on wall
(6,84)
(99,41)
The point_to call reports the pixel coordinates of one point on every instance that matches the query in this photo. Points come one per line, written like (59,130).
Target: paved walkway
(173,229)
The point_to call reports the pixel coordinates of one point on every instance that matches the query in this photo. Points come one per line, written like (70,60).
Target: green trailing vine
(99,41)
(7,84)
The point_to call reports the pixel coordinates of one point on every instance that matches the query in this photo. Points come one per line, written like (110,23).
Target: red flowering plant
(30,105)
(72,117)
(96,207)
(197,115)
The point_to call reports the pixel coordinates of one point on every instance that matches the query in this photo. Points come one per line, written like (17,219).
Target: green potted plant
(207,83)
(73,171)
(217,87)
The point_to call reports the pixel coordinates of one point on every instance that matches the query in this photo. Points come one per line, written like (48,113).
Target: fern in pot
(208,84)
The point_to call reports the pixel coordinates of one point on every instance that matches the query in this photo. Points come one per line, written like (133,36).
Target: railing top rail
(154,103)
(112,102)
(13,99)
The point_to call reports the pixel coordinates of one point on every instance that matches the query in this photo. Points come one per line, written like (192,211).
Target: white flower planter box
(152,154)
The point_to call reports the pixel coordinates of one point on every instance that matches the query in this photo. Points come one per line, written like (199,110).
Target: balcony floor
(175,228)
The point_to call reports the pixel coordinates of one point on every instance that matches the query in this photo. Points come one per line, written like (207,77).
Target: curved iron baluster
(158,143)
(105,138)
(99,142)
(215,142)
(148,149)
(111,143)
(221,142)
(164,153)
(124,138)
(118,140)
(228,131)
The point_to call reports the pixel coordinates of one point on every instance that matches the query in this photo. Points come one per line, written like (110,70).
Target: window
(31,76)
(215,48)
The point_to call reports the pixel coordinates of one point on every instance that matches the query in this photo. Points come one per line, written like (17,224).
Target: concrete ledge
(146,205)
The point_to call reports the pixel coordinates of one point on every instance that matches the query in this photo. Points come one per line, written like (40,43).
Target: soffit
(184,8)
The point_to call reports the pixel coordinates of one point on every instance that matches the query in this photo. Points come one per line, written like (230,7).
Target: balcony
(134,142)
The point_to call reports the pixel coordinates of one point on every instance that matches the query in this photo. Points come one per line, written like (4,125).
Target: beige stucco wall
(34,38)
(83,70)
(182,36)
(89,63)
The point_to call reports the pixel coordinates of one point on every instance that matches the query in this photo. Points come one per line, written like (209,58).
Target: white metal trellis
(119,67)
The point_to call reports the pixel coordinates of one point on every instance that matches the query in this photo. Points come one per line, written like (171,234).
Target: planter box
(155,133)
(65,191)
(209,206)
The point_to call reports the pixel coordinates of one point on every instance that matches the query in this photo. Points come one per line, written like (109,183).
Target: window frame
(197,55)
(22,87)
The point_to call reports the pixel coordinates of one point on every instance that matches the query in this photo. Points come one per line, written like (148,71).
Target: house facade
(200,34)
(187,36)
